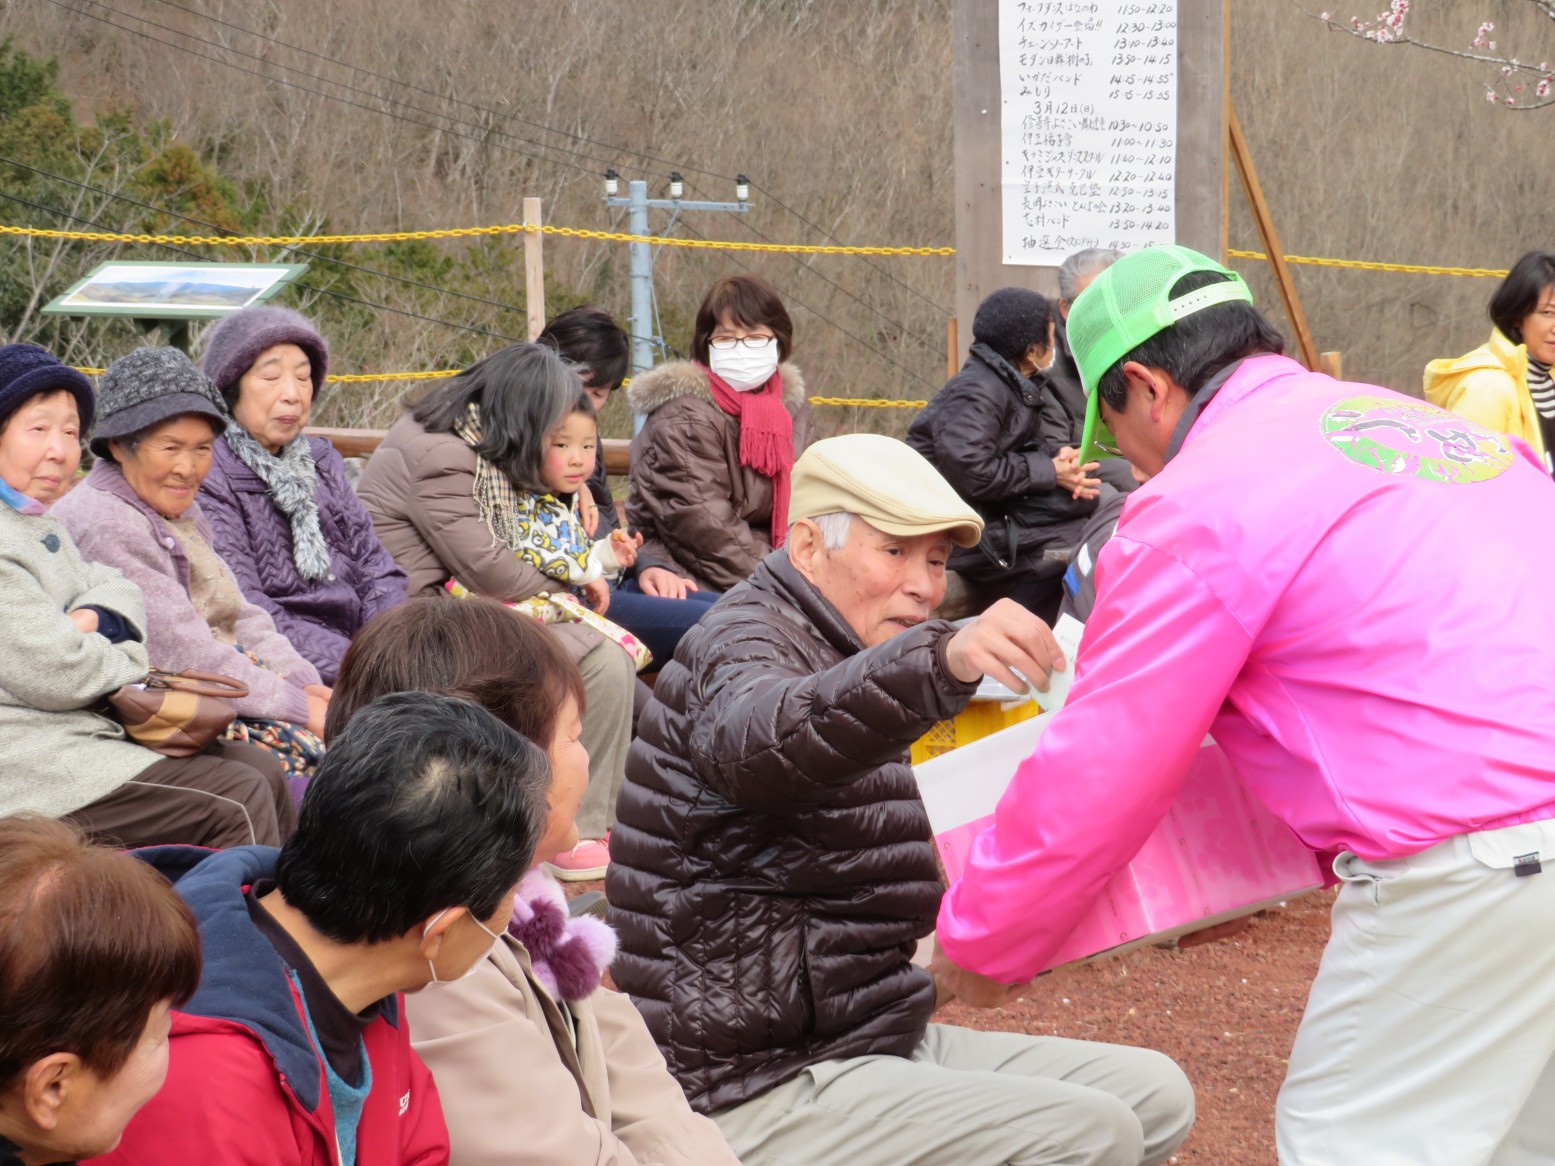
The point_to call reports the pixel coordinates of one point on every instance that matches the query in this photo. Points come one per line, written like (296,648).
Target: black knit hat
(149,386)
(1011,320)
(27,370)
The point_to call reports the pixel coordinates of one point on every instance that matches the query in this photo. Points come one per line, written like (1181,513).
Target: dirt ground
(1226,1012)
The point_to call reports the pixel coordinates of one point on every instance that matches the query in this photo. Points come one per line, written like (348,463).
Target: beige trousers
(969,1098)
(609,681)
(1429,1034)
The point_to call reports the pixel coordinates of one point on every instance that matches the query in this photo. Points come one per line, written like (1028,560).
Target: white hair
(1087,264)
(834,528)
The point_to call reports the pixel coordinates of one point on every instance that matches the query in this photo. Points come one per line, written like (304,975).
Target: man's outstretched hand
(1004,640)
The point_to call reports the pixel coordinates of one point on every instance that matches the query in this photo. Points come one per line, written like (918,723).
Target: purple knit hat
(235,343)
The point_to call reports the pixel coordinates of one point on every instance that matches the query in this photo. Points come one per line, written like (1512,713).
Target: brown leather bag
(177,714)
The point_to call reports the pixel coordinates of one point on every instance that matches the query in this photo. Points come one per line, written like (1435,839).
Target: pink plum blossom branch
(1515,83)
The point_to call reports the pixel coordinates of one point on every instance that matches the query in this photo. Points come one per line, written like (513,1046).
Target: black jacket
(993,434)
(1064,376)
(772,867)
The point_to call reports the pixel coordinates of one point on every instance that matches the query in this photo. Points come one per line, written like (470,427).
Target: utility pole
(637,204)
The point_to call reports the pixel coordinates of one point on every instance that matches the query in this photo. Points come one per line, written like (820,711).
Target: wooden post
(1225,101)
(534,268)
(1271,241)
(1331,363)
(952,349)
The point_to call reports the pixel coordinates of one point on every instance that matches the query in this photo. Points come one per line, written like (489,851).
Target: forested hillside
(176,115)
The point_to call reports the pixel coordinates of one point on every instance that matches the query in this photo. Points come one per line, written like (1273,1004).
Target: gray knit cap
(237,341)
(149,386)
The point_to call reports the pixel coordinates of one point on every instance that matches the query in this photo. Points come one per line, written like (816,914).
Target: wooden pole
(952,338)
(1271,241)
(1225,98)
(534,268)
(1331,363)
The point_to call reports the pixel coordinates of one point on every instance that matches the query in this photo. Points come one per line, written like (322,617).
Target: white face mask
(742,367)
(495,939)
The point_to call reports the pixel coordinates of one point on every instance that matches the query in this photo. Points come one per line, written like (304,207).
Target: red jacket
(245,1086)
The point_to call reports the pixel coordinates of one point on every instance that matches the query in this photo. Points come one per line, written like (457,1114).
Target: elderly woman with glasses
(711,466)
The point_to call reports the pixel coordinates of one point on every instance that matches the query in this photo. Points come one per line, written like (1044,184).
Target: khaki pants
(609,681)
(969,1098)
(235,795)
(1429,1034)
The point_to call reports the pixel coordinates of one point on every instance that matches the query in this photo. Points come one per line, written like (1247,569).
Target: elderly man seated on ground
(773,868)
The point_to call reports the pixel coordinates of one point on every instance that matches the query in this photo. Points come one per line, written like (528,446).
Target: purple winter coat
(255,538)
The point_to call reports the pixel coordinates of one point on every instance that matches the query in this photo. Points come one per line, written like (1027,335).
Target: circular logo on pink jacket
(1414,439)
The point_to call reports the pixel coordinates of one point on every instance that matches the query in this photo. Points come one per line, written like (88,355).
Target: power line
(444,97)
(441,129)
(216,228)
(70,6)
(803,266)
(824,318)
(324,291)
(487,110)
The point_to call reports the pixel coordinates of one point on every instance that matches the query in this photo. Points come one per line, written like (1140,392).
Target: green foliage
(124,174)
(61,174)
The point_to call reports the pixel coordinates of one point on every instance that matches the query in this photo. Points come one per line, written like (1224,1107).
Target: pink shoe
(585,861)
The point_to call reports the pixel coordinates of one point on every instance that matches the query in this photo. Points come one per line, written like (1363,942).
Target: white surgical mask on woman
(742,367)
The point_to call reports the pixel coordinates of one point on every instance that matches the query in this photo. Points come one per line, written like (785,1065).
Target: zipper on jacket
(806,987)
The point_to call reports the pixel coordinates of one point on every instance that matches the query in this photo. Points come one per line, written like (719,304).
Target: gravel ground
(1226,1012)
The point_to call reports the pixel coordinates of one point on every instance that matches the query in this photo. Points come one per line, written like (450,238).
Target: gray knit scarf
(292,479)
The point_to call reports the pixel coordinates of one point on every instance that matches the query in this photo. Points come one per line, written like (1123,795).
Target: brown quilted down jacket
(695,505)
(772,867)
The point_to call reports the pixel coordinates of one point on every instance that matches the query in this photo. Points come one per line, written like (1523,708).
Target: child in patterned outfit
(549,527)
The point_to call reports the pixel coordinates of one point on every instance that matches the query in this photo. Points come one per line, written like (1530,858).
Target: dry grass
(838,108)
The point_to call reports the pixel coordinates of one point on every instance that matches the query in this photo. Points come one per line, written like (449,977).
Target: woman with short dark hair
(1003,437)
(95,949)
(1505,384)
(528,1050)
(443,489)
(711,465)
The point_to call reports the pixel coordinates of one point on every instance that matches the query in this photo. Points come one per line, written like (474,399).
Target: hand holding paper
(1007,643)
(1067,635)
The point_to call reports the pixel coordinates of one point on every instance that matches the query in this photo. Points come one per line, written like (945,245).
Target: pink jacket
(1351,590)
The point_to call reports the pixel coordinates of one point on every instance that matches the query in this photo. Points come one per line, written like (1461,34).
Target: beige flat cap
(885,482)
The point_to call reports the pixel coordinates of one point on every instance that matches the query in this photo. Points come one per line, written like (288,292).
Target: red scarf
(766,438)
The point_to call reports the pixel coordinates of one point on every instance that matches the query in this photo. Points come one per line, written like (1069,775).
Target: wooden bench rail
(361,443)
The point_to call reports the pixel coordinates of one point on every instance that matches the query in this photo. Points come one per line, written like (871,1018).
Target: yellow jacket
(1489,385)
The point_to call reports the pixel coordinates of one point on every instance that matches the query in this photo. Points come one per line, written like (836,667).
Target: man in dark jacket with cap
(772,868)
(1003,436)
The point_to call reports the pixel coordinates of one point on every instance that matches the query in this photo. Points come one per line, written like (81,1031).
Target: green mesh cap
(1127,304)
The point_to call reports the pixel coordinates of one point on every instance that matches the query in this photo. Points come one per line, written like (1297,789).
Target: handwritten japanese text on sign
(1089,125)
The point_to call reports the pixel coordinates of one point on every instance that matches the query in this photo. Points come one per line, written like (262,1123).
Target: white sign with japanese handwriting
(1089,126)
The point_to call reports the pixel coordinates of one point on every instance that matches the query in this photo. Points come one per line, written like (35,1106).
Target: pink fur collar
(568,955)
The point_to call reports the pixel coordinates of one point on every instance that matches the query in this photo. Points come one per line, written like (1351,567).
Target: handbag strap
(198,683)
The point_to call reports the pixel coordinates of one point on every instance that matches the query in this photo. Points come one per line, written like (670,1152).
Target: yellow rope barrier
(464,233)
(655,240)
(441,373)
(360,378)
(868,402)
(1362,265)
